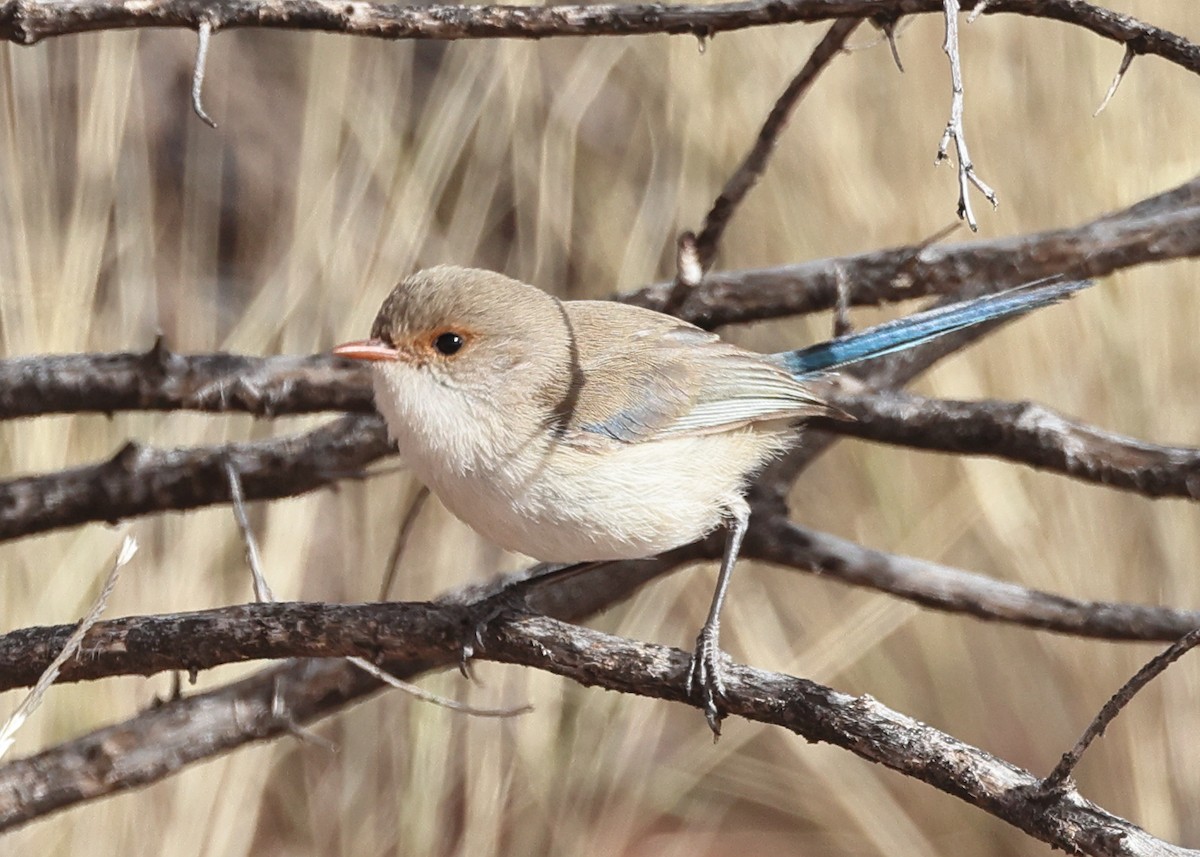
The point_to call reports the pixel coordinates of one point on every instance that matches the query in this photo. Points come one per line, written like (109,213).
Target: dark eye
(448,343)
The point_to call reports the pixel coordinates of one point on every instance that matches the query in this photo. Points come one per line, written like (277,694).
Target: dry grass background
(343,164)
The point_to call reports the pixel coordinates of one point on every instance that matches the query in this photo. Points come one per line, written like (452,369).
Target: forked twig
(954,128)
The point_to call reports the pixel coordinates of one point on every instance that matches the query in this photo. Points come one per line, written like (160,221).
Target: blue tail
(923,326)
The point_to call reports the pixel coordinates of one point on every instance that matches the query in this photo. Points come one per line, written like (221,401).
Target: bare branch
(751,168)
(277,701)
(1059,777)
(27,22)
(384,632)
(160,380)
(1023,432)
(778,540)
(141,479)
(954,128)
(158,742)
(1166,226)
(861,725)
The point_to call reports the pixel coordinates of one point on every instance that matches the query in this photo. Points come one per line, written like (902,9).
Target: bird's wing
(641,375)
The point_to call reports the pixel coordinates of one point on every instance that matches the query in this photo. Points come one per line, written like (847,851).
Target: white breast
(559,502)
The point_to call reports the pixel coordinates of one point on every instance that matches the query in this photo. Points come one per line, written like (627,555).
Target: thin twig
(979,9)
(1062,771)
(401,543)
(954,128)
(264,595)
(262,590)
(697,253)
(755,162)
(1126,60)
(204,31)
(889,26)
(441,701)
(34,698)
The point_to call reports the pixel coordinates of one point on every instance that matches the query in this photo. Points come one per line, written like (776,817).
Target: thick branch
(144,645)
(1022,432)
(190,642)
(29,21)
(1157,229)
(159,741)
(160,380)
(139,479)
(862,725)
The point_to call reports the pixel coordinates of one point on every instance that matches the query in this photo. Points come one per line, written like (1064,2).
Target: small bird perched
(583,431)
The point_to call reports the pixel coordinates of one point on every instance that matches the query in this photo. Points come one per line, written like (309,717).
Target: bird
(583,431)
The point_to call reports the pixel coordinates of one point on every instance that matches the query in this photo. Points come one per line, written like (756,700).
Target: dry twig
(1060,776)
(1126,61)
(68,649)
(204,31)
(954,128)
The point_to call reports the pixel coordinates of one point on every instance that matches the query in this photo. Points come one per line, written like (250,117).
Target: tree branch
(140,479)
(161,740)
(27,22)
(1021,432)
(1166,226)
(1160,228)
(782,542)
(145,645)
(161,380)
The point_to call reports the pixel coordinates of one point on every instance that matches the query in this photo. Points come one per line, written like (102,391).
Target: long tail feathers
(916,329)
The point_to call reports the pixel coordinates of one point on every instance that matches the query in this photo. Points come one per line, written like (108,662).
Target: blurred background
(342,164)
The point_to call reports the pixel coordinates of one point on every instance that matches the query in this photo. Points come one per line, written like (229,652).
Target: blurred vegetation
(341,165)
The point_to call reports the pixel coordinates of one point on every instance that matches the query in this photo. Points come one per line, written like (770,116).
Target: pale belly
(625,502)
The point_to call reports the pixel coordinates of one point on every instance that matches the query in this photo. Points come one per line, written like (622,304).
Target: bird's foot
(704,683)
(508,601)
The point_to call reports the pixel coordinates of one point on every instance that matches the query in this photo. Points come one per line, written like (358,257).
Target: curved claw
(704,682)
(472,642)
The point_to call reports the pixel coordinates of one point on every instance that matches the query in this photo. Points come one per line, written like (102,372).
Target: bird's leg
(704,677)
